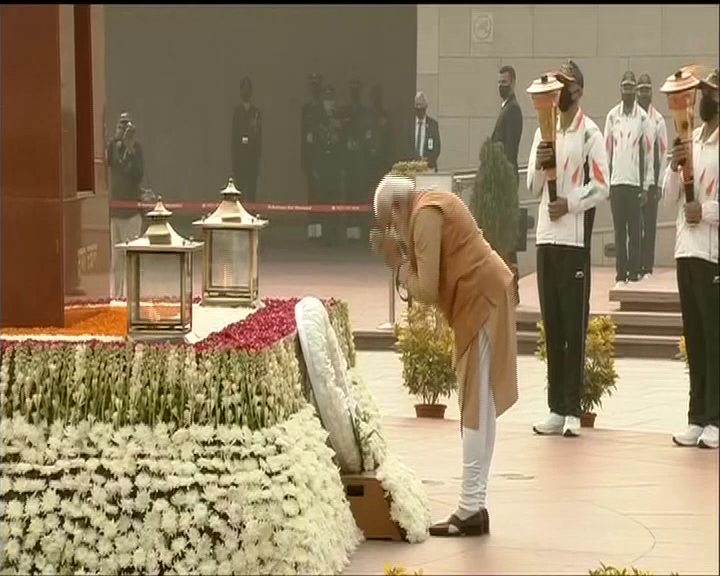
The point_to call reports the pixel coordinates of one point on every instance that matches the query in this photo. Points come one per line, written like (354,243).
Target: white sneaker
(709,438)
(647,276)
(690,436)
(620,285)
(553,426)
(572,427)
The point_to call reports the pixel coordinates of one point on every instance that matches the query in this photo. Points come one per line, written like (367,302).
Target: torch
(545,94)
(681,88)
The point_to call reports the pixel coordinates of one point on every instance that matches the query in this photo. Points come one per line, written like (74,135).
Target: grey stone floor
(651,395)
(621,495)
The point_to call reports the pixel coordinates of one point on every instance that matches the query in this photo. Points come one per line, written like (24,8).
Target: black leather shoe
(476,525)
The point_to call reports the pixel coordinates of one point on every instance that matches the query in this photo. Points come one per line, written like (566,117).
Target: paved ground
(361,280)
(651,395)
(621,494)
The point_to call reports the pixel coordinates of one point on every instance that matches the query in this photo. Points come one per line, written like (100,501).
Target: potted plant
(600,375)
(682,352)
(494,202)
(409,168)
(425,343)
(613,571)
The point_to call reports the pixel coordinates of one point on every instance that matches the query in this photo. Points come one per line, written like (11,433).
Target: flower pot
(430,411)
(588,420)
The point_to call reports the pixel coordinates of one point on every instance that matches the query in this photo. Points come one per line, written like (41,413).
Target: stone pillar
(48,125)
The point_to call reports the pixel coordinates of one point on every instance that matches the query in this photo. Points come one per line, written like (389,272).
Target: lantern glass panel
(188,286)
(159,289)
(229,258)
(255,266)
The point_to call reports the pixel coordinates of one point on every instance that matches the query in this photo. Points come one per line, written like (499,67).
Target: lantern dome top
(548,82)
(231,213)
(680,81)
(160,236)
(159,211)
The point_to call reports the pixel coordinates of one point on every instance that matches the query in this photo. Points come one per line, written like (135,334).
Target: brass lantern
(159,276)
(545,94)
(230,269)
(681,88)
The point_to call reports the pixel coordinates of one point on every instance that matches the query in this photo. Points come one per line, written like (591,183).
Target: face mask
(644,101)
(708,109)
(504,92)
(566,99)
(628,99)
(420,112)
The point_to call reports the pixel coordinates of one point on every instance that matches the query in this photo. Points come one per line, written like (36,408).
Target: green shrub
(682,351)
(612,571)
(494,202)
(409,168)
(425,343)
(600,374)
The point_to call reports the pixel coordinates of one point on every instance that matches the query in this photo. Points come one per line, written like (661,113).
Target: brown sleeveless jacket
(475,291)
(473,278)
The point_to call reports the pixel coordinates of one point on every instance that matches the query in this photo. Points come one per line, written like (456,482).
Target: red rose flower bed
(248,373)
(263,328)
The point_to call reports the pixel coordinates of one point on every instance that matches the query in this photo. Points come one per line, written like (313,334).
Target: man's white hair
(390,189)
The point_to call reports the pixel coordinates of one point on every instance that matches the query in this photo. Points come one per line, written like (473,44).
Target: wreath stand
(370,507)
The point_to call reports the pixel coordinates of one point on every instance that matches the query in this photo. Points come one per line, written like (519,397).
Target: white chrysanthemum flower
(125,485)
(169,522)
(50,501)
(104,547)
(25,563)
(14,510)
(142,500)
(110,530)
(124,559)
(36,528)
(6,485)
(178,545)
(142,481)
(17,528)
(191,559)
(92,562)
(139,558)
(185,522)
(12,550)
(32,507)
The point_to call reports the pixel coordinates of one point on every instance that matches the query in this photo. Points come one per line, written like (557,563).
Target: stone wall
(457,66)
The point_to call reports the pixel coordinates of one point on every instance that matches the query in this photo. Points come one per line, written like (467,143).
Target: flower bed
(211,500)
(409,503)
(247,374)
(154,458)
(99,318)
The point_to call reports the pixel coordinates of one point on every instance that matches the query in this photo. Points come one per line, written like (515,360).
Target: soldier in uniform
(381,151)
(312,114)
(246,140)
(356,141)
(329,165)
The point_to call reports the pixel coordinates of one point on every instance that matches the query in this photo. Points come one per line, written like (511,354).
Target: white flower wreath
(327,371)
(346,407)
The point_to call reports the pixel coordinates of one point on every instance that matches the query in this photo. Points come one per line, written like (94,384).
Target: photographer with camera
(124,158)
